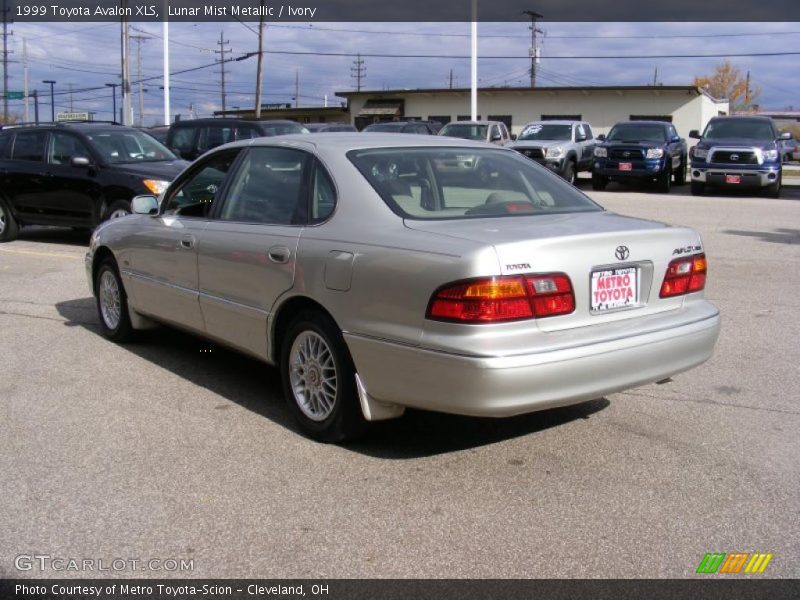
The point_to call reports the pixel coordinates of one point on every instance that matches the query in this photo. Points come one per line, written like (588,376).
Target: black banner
(400,589)
(407,10)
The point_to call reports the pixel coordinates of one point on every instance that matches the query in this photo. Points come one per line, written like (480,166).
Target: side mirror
(513,137)
(694,134)
(497,137)
(581,137)
(675,138)
(786,135)
(144,205)
(80,161)
(602,137)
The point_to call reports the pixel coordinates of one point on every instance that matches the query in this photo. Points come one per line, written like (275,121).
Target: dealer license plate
(614,288)
(733,179)
(626,166)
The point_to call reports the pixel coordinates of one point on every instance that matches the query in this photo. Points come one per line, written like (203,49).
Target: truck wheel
(569,172)
(118,208)
(774,190)
(680,174)
(664,181)
(698,188)
(599,182)
(8,225)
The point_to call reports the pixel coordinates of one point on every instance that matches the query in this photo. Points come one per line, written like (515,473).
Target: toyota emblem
(734,157)
(622,252)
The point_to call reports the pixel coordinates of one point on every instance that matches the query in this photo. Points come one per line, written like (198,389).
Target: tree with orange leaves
(727,82)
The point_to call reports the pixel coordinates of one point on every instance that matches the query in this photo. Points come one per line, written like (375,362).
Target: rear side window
(29,145)
(211,137)
(323,196)
(182,139)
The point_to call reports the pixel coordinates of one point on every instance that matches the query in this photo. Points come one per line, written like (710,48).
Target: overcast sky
(86,55)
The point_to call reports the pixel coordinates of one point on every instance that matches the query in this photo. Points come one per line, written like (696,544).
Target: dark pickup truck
(640,151)
(738,152)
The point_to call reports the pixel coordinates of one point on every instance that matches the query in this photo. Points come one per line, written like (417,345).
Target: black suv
(419,127)
(190,139)
(77,174)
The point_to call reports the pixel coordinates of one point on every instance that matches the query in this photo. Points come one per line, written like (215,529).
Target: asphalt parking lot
(176,448)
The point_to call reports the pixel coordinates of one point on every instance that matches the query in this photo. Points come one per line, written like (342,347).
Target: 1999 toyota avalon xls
(381,272)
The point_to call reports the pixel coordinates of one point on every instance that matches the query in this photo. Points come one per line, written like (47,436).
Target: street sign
(15,95)
(72,116)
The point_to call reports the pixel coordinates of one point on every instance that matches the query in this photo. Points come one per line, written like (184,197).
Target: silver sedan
(381,272)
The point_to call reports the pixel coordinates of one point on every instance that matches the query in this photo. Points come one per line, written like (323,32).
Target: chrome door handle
(187,242)
(279,254)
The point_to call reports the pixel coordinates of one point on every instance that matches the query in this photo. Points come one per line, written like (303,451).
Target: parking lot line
(35,253)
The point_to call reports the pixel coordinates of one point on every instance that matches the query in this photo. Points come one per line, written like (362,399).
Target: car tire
(599,182)
(774,190)
(664,181)
(680,174)
(698,188)
(112,303)
(569,172)
(9,229)
(319,380)
(118,208)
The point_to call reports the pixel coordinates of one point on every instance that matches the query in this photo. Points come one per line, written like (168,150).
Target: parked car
(329,127)
(494,132)
(419,127)
(738,152)
(159,132)
(640,151)
(478,296)
(789,149)
(566,147)
(77,174)
(190,139)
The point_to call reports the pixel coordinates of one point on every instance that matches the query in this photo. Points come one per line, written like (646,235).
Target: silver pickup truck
(566,147)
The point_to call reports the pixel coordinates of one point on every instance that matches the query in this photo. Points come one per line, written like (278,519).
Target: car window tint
(29,145)
(246,132)
(182,139)
(5,145)
(323,196)
(588,129)
(268,188)
(64,147)
(456,183)
(579,131)
(196,196)
(211,137)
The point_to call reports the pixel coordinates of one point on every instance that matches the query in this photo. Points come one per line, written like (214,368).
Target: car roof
(472,123)
(554,122)
(344,141)
(644,122)
(742,118)
(230,121)
(84,126)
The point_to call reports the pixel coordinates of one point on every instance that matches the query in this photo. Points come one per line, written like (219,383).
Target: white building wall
(601,108)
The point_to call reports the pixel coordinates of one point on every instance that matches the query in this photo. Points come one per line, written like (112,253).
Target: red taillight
(503,299)
(685,275)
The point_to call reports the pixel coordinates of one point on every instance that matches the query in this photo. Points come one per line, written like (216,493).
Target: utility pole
(139,73)
(52,100)
(747,92)
(6,52)
(534,50)
(35,95)
(451,79)
(71,106)
(222,52)
(259,67)
(127,110)
(655,77)
(27,103)
(358,71)
(113,87)
(296,88)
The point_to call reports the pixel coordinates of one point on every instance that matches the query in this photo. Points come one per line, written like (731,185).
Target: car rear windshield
(464,183)
(128,145)
(387,127)
(749,129)
(539,131)
(637,132)
(282,128)
(467,132)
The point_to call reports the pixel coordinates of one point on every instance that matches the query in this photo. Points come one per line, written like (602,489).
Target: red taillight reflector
(685,275)
(503,299)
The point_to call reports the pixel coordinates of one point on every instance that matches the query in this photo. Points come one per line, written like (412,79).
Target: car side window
(323,195)
(245,132)
(195,196)
(588,129)
(64,147)
(268,188)
(579,132)
(29,145)
(213,136)
(5,145)
(182,139)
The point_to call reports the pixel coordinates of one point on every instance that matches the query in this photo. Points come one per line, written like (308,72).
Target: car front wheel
(112,303)
(664,182)
(118,208)
(599,182)
(319,379)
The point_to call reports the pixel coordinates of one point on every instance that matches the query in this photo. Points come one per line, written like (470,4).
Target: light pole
(113,87)
(52,100)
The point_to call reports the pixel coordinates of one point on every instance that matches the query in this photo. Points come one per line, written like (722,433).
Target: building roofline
(582,88)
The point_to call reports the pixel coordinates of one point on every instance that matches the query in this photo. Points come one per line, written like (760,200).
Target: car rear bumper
(760,177)
(502,386)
